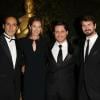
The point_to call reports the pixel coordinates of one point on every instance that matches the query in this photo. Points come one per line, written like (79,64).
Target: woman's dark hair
(35,18)
(31,20)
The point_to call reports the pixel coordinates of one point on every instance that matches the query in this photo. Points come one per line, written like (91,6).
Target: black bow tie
(10,39)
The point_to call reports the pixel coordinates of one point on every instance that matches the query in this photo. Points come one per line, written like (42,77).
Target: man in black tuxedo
(10,61)
(89,58)
(61,67)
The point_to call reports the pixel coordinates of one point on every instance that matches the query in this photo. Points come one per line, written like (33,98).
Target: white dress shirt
(55,50)
(92,41)
(12,48)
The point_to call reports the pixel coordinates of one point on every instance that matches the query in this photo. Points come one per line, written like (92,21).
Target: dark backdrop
(69,10)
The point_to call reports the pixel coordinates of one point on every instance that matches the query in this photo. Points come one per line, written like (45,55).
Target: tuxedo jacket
(89,76)
(9,77)
(61,77)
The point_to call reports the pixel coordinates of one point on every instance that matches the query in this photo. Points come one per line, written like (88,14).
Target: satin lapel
(68,57)
(82,53)
(52,58)
(5,47)
(17,53)
(95,46)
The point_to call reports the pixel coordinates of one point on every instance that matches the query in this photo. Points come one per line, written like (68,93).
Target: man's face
(60,33)
(88,28)
(10,26)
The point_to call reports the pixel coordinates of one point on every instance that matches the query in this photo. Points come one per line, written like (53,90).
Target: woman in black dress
(34,50)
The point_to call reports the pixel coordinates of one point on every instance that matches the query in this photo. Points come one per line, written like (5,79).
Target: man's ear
(41,30)
(95,26)
(53,33)
(3,26)
(67,32)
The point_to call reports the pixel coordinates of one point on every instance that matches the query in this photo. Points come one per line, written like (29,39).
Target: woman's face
(36,28)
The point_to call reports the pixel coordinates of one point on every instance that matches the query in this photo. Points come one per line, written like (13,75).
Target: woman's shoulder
(24,39)
(45,39)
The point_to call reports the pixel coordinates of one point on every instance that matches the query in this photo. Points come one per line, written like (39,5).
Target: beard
(89,32)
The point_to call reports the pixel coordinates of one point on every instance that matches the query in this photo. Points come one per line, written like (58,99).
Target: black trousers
(57,93)
(83,95)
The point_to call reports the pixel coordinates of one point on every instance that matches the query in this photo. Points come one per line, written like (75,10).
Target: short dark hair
(57,23)
(88,18)
(4,20)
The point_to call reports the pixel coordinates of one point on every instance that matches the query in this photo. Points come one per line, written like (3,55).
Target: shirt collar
(8,37)
(63,43)
(94,37)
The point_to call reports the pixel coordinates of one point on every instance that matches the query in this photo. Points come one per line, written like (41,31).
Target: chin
(60,41)
(88,34)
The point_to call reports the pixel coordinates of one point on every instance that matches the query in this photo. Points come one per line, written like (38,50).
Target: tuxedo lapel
(82,54)
(67,58)
(6,48)
(81,51)
(52,58)
(18,54)
(95,46)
